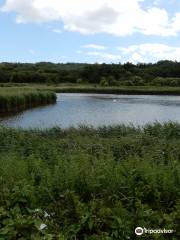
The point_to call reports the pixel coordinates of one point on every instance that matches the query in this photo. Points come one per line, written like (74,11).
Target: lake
(98,109)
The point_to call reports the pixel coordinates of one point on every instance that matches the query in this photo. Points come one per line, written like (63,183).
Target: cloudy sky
(89,31)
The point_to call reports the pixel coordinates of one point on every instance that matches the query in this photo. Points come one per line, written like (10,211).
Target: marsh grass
(144,90)
(15,99)
(93,183)
(95,88)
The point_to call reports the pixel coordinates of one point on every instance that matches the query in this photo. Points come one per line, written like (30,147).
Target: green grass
(93,183)
(118,90)
(95,88)
(14,99)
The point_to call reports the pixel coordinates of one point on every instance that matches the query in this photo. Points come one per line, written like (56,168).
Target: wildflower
(46,214)
(37,210)
(42,226)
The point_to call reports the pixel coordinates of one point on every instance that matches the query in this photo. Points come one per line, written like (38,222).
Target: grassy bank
(89,183)
(95,88)
(15,99)
(119,90)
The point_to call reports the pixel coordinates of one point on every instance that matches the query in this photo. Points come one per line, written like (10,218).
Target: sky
(94,31)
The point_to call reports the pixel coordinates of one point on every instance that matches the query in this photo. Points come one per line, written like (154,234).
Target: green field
(89,183)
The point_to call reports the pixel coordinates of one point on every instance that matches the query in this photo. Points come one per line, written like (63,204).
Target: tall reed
(16,99)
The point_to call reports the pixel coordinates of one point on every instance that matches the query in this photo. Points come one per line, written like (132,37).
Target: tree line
(162,73)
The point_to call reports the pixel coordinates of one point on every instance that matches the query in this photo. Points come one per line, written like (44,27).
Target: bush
(79,81)
(128,83)
(115,83)
(104,82)
(159,81)
(137,81)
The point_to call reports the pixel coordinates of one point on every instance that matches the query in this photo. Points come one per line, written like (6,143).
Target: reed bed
(17,99)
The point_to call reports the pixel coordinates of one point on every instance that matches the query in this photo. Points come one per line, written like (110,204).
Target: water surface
(97,110)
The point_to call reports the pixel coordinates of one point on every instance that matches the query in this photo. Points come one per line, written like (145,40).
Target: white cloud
(176,22)
(117,17)
(30,11)
(105,56)
(94,46)
(151,52)
(136,57)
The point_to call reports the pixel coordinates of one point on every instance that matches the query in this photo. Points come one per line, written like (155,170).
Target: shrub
(104,82)
(138,81)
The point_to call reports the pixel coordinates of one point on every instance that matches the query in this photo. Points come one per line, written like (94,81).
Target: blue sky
(89,31)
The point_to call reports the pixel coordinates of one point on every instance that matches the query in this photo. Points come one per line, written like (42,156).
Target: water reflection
(99,109)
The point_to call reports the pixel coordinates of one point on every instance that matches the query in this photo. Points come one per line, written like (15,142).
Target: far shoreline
(117,91)
(92,88)
(138,90)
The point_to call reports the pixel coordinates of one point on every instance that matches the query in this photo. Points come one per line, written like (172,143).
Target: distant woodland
(162,73)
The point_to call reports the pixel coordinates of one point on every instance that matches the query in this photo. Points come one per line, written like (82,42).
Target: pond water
(97,110)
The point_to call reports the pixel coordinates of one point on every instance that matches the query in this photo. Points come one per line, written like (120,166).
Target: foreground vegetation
(89,183)
(15,99)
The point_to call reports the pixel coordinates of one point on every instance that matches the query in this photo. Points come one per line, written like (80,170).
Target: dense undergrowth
(16,99)
(89,183)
